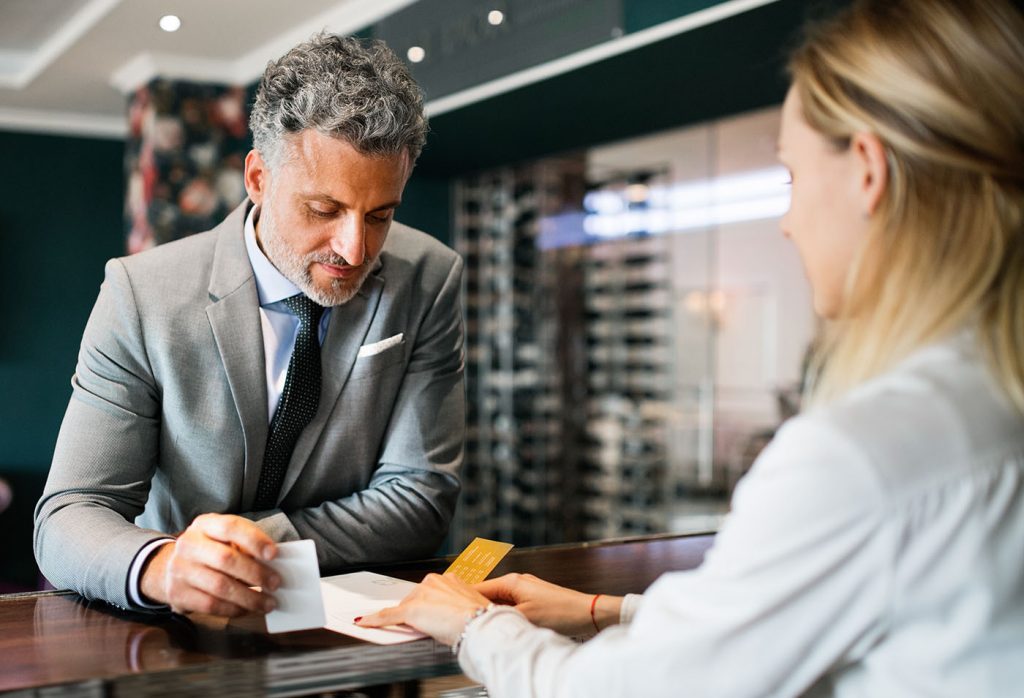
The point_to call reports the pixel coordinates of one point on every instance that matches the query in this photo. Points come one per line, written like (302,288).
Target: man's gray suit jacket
(168,416)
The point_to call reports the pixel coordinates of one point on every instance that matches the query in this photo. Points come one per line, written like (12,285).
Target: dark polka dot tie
(299,400)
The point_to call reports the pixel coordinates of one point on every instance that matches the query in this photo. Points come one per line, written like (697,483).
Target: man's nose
(349,240)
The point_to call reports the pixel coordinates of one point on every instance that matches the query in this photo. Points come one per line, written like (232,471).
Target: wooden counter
(58,638)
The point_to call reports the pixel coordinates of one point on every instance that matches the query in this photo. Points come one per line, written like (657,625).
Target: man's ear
(872,170)
(256,176)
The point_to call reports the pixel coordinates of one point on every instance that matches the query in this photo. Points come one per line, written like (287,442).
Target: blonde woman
(876,548)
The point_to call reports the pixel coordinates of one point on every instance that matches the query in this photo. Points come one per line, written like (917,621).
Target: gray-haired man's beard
(338,291)
(296,268)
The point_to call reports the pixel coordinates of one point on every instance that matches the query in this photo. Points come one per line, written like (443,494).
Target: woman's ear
(872,169)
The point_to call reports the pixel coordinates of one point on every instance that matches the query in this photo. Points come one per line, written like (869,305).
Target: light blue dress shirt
(280,326)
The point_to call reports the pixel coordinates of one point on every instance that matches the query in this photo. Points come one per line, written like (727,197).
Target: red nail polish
(357,619)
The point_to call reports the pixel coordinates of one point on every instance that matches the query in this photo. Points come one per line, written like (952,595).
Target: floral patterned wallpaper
(185,156)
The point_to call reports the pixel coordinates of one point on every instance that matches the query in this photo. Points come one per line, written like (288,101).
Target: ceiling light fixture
(495,17)
(416,54)
(170,23)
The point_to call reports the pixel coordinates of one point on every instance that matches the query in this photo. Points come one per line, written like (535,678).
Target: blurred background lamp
(637,193)
(416,54)
(495,17)
(170,23)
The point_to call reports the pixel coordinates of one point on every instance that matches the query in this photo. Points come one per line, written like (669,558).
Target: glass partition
(635,330)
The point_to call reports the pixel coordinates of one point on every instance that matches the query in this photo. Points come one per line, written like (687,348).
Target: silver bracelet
(469,619)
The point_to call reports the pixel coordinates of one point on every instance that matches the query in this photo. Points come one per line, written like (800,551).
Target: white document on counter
(307,602)
(348,596)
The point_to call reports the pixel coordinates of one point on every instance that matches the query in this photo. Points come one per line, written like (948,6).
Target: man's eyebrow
(325,198)
(328,199)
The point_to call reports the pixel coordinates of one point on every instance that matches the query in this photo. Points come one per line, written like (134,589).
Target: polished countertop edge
(435,561)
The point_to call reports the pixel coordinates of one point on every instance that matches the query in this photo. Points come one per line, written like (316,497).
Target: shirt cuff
(135,575)
(489,633)
(630,605)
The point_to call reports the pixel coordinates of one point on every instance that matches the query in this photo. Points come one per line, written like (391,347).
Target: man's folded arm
(105,456)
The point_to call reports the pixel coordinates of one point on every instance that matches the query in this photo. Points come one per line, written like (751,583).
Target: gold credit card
(478,560)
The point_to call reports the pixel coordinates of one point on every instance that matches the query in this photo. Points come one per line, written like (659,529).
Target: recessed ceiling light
(495,17)
(416,54)
(170,23)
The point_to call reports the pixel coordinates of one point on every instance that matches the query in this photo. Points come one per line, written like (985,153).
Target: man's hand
(210,567)
(550,606)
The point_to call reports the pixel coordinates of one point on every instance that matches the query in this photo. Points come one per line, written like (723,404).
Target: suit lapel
(235,320)
(346,332)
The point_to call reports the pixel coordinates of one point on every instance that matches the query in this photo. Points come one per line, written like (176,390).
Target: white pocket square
(378,347)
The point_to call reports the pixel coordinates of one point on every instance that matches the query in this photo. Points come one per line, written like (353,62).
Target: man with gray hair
(294,373)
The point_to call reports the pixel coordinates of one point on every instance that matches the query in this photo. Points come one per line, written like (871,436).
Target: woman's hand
(550,606)
(439,607)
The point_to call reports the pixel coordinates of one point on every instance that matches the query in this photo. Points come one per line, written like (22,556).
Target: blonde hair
(941,83)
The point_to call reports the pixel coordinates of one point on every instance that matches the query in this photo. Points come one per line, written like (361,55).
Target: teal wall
(60,220)
(426,204)
(641,14)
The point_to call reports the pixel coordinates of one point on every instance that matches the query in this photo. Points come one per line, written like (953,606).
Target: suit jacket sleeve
(105,457)
(405,511)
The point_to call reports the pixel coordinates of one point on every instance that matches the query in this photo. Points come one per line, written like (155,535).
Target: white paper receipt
(300,605)
(347,596)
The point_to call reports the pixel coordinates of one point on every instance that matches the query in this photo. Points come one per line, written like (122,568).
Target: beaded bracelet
(469,619)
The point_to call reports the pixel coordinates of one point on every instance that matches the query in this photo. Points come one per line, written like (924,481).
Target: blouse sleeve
(630,605)
(795,585)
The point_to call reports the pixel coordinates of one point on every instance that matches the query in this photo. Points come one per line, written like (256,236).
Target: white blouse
(876,548)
